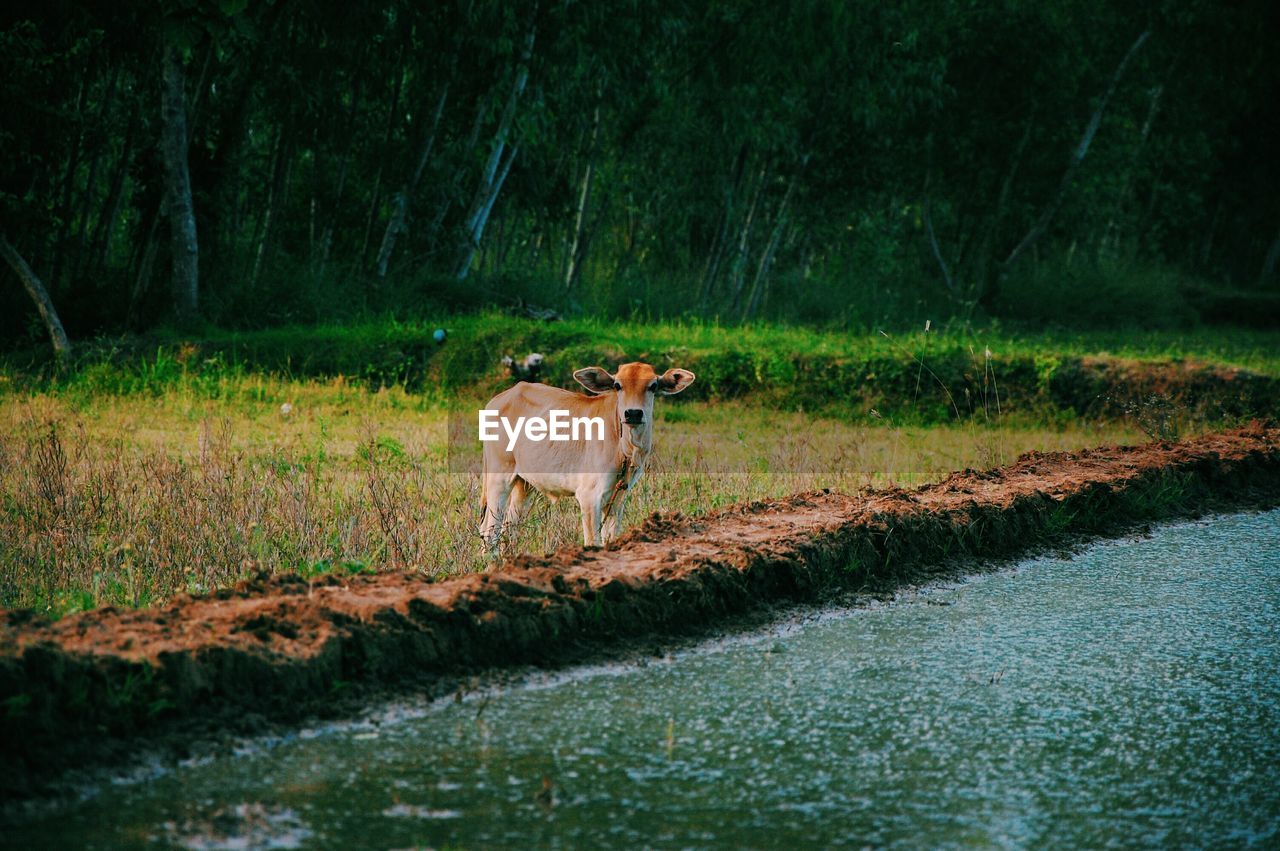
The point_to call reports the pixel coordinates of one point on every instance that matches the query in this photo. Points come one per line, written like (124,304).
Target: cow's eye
(617,386)
(653,387)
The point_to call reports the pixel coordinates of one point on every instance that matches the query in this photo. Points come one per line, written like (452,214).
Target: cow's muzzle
(633,416)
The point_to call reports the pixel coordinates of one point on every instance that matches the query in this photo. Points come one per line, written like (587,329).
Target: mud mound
(283,646)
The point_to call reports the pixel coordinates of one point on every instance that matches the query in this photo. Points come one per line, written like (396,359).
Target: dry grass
(125,500)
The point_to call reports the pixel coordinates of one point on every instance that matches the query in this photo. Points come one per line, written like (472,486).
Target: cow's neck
(634,451)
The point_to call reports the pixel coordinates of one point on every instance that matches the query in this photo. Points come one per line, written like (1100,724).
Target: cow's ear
(674,380)
(595,379)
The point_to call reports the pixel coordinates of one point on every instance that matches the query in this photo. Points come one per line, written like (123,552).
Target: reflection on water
(1128,696)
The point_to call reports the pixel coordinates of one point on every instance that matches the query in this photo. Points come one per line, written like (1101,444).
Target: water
(1129,696)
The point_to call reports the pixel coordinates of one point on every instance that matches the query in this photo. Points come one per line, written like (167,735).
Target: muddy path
(282,648)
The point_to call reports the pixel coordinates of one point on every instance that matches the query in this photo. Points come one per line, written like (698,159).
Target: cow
(596,469)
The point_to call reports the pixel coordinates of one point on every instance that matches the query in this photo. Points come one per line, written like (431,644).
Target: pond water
(1127,696)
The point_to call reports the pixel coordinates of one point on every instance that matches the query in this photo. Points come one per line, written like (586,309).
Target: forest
(236,164)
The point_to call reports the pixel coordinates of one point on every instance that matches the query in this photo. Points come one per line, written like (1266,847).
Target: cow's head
(635,384)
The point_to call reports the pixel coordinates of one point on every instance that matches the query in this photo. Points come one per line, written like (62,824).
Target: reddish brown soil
(284,646)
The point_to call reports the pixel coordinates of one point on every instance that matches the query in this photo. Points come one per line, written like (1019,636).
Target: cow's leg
(614,503)
(517,501)
(497,491)
(590,502)
(612,521)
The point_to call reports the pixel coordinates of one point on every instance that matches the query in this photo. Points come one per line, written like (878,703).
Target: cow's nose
(633,416)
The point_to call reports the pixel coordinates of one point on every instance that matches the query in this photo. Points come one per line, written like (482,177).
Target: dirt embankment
(284,647)
(1150,392)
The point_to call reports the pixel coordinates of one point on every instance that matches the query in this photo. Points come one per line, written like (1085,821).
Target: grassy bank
(928,376)
(148,467)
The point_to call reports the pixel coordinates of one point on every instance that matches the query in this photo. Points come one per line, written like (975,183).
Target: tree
(39,296)
(502,155)
(719,159)
(184,247)
(1042,222)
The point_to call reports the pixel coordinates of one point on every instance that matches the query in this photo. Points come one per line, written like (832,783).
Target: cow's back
(526,399)
(552,466)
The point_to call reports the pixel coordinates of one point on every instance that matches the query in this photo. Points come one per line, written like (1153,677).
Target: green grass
(922,376)
(359,347)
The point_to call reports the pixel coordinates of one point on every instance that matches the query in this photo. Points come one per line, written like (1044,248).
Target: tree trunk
(947,279)
(986,247)
(737,273)
(58,249)
(225,174)
(720,244)
(449,194)
(498,166)
(375,197)
(146,263)
(927,215)
(1082,149)
(535,248)
(202,85)
(326,237)
(101,140)
(185,281)
(35,289)
(106,224)
(399,222)
(1112,231)
(578,247)
(480,218)
(280,163)
(510,236)
(760,283)
(1206,245)
(1269,262)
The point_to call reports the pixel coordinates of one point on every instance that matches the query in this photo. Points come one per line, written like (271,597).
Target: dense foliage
(810,161)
